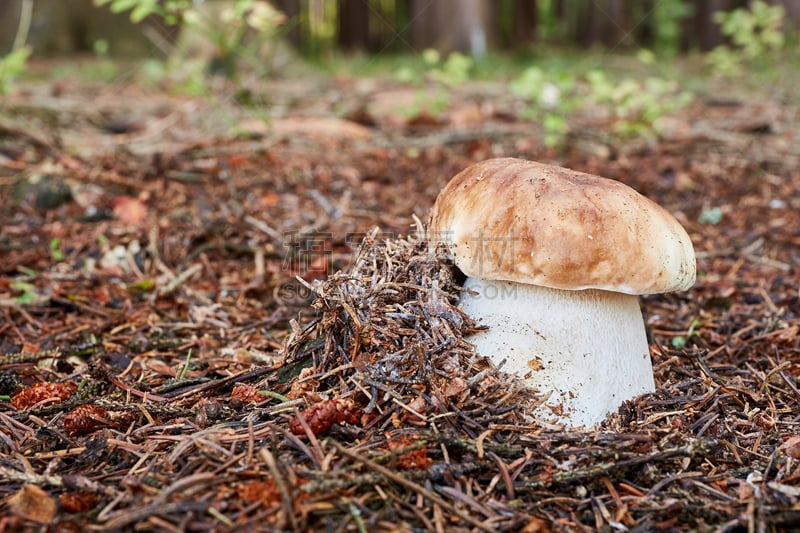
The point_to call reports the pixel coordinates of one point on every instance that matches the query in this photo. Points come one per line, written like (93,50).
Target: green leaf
(11,66)
(142,11)
(711,216)
(55,249)
(118,6)
(143,285)
(28,292)
(679,342)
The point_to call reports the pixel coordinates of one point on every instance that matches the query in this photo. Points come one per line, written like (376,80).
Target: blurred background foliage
(558,56)
(320,28)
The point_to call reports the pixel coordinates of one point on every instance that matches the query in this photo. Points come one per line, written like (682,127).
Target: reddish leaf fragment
(322,415)
(77,502)
(536,525)
(44,392)
(129,210)
(422,119)
(263,491)
(84,419)
(269,199)
(415,459)
(236,161)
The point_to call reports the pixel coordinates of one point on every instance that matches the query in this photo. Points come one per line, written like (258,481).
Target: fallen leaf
(536,525)
(423,119)
(456,387)
(263,491)
(269,199)
(129,210)
(791,446)
(33,503)
(465,116)
(320,128)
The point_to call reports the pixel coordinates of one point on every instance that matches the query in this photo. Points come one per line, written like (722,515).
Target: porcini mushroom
(555,260)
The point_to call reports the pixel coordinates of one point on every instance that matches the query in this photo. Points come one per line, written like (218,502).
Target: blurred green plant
(28,291)
(551,98)
(452,72)
(445,74)
(668,16)
(100,48)
(681,341)
(11,66)
(55,249)
(710,215)
(634,106)
(14,63)
(227,30)
(756,34)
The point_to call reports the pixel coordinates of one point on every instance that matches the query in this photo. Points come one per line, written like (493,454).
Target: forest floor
(163,368)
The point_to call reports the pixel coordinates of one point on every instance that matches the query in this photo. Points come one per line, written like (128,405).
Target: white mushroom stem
(587,347)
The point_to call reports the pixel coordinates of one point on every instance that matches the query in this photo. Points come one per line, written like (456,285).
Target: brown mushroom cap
(527,222)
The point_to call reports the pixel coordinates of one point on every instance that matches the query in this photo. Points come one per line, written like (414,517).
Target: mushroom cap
(516,220)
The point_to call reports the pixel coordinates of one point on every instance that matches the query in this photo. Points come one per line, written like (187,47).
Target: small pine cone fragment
(208,410)
(44,392)
(84,419)
(8,383)
(99,370)
(321,416)
(246,394)
(77,502)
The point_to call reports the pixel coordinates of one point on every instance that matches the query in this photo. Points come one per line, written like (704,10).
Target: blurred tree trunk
(453,25)
(9,20)
(466,25)
(401,33)
(353,22)
(60,27)
(700,30)
(605,21)
(524,21)
(291,8)
(646,31)
(560,9)
(792,8)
